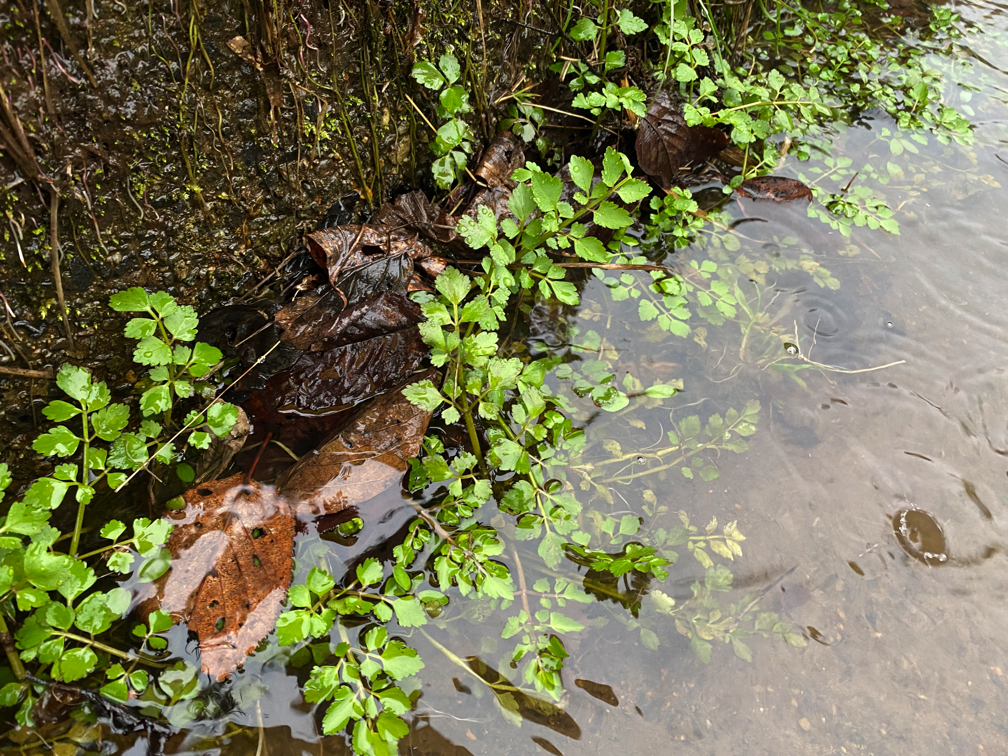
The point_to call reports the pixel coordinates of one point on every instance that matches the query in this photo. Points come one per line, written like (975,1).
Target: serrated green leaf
(131,300)
(370,572)
(140,328)
(584,30)
(182,322)
(613,166)
(409,612)
(75,664)
(155,400)
(400,661)
(58,411)
(546,191)
(112,530)
(613,216)
(152,351)
(60,441)
(449,66)
(426,74)
(110,421)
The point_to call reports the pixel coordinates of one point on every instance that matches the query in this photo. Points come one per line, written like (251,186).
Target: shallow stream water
(903,654)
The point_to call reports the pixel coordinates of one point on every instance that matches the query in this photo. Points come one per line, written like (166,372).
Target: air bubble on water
(791,348)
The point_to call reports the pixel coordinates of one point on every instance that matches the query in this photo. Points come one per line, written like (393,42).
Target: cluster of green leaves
(862,62)
(453,140)
(590,80)
(178,371)
(526,427)
(690,446)
(362,688)
(48,593)
(362,683)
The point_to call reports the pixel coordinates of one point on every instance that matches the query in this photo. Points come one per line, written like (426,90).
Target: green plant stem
(82,505)
(473,436)
(12,655)
(604,17)
(103,647)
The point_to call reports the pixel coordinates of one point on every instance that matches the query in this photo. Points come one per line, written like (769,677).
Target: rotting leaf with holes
(348,355)
(366,457)
(232,550)
(776,188)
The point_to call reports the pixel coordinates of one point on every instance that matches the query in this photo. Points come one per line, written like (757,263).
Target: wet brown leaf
(349,354)
(500,160)
(662,141)
(776,188)
(665,143)
(705,142)
(364,261)
(368,456)
(232,550)
(414,212)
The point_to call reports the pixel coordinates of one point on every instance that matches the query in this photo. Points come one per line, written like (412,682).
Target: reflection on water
(858,483)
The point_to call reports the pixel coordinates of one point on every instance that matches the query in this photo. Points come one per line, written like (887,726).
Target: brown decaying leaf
(232,555)
(776,188)
(665,142)
(350,355)
(316,323)
(414,212)
(705,142)
(662,141)
(500,160)
(369,455)
(363,261)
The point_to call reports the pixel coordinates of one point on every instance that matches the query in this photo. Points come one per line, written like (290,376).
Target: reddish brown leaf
(776,188)
(665,143)
(368,456)
(705,142)
(232,550)
(662,141)
(350,354)
(363,261)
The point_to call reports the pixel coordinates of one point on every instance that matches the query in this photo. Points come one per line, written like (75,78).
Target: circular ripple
(921,536)
(824,317)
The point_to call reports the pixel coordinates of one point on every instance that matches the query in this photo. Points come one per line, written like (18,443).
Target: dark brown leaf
(665,143)
(363,261)
(232,550)
(776,188)
(316,323)
(368,456)
(662,141)
(705,143)
(350,355)
(414,212)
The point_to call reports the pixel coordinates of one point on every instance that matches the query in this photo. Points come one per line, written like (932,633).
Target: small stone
(805,724)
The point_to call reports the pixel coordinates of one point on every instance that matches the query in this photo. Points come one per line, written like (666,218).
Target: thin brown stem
(54,263)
